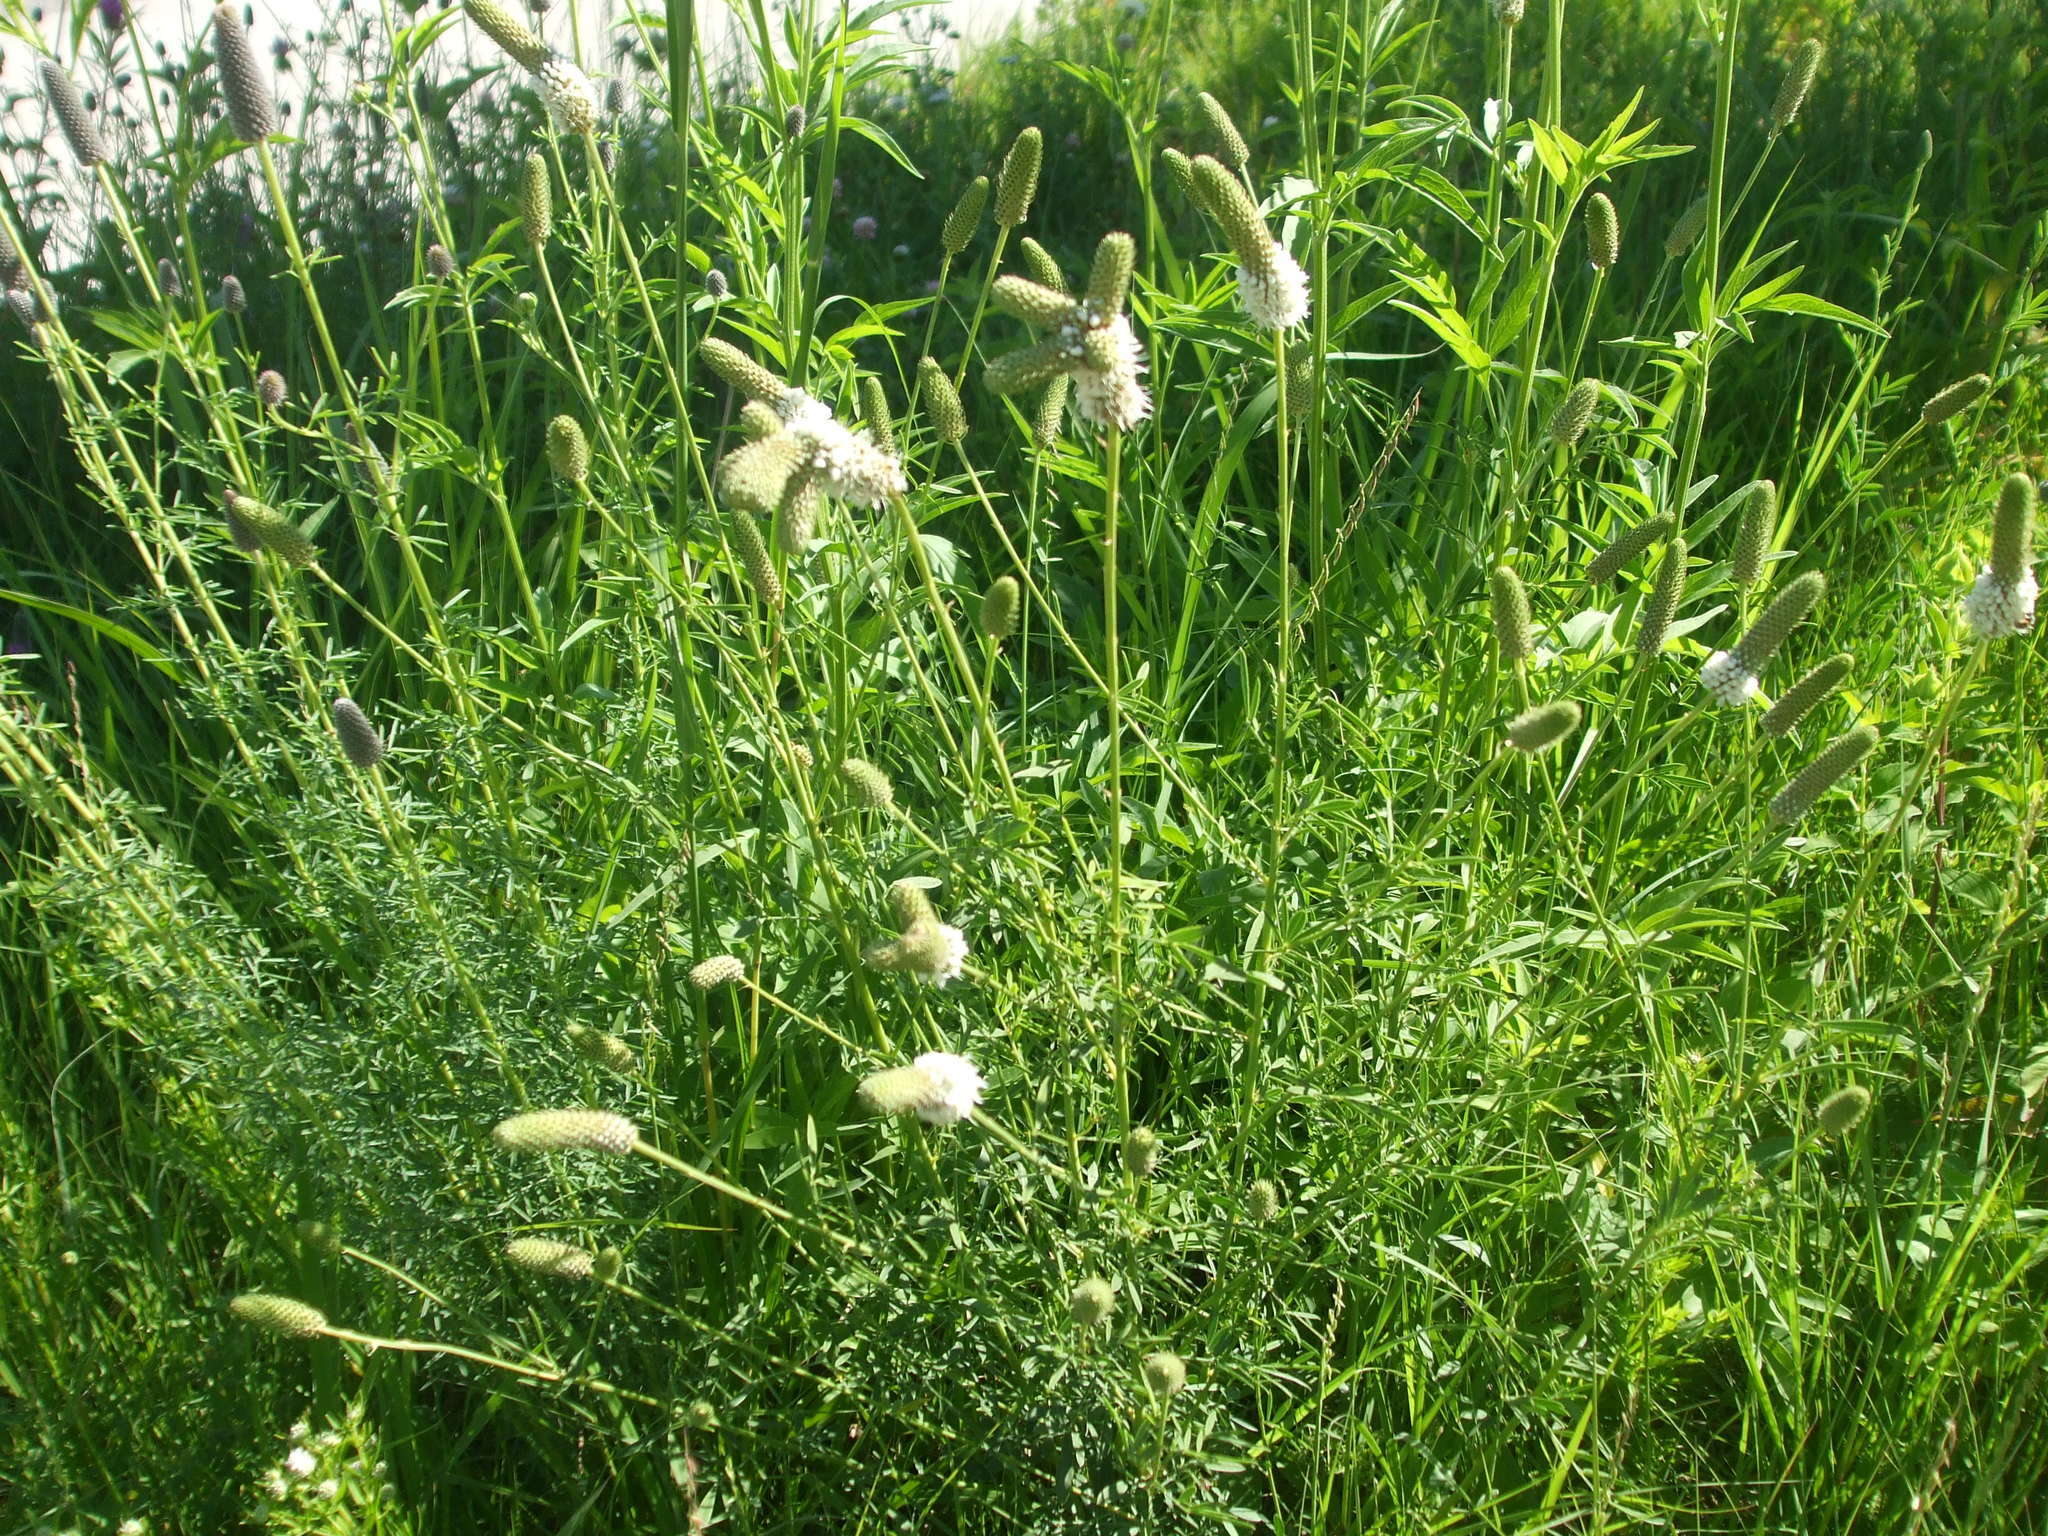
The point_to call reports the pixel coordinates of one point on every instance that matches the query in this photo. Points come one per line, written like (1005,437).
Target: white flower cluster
(571,98)
(1728,678)
(846,463)
(1112,396)
(956,1085)
(1276,298)
(1995,609)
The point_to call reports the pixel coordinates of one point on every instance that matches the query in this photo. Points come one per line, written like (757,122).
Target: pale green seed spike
(1954,400)
(1822,774)
(280,1314)
(718,971)
(536,202)
(1091,1303)
(1099,349)
(1226,201)
(1755,649)
(506,30)
(1609,562)
(605,1268)
(1690,226)
(758,421)
(1753,533)
(741,371)
(545,1256)
(1653,624)
(1166,1374)
(942,401)
(1799,78)
(1811,691)
(1109,277)
(1017,183)
(965,219)
(1181,172)
(1228,143)
(602,1050)
(1040,267)
(251,108)
(871,786)
(80,132)
(1603,232)
(755,477)
(568,450)
(1513,629)
(1541,728)
(1843,1110)
(1052,408)
(566,1130)
(997,618)
(874,410)
(2012,530)
(275,533)
(899,1090)
(1027,368)
(1033,303)
(1574,414)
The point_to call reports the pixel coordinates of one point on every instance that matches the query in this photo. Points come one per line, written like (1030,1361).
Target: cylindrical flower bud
(1224,139)
(1141,1151)
(1690,226)
(909,905)
(440,263)
(545,1256)
(279,1314)
(234,299)
(1802,697)
(1017,183)
(1954,400)
(170,282)
(756,561)
(965,219)
(250,106)
(361,743)
(606,1267)
(1030,302)
(1653,622)
(1543,727)
(715,284)
(498,23)
(568,450)
(272,531)
(1574,414)
(874,411)
(718,971)
(1109,276)
(1166,1374)
(758,421)
(567,1130)
(536,201)
(1226,201)
(1026,367)
(794,122)
(603,1050)
(1181,172)
(1091,1303)
(80,132)
(871,786)
(997,619)
(1262,1201)
(1626,546)
(942,401)
(2012,531)
(898,1091)
(1603,232)
(270,389)
(741,371)
(1823,773)
(1755,649)
(1052,406)
(1799,77)
(22,304)
(1753,532)
(1843,1110)
(1514,631)
(1040,267)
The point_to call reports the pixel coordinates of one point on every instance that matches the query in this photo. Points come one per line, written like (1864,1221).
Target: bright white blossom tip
(1727,679)
(847,463)
(798,405)
(571,98)
(956,1085)
(1994,609)
(1113,397)
(950,953)
(1276,298)
(300,1462)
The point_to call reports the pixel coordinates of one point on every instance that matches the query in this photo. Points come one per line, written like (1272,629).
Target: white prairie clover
(1088,340)
(2002,601)
(939,1087)
(1270,283)
(1731,675)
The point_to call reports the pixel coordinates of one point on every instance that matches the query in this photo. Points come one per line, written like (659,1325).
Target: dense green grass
(1490,1189)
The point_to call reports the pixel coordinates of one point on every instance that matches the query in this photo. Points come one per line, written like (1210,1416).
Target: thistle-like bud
(1031,302)
(568,450)
(997,619)
(1624,548)
(250,107)
(1543,727)
(1799,76)
(1224,139)
(874,412)
(1755,649)
(271,531)
(965,219)
(1141,1151)
(794,122)
(1753,533)
(1802,697)
(280,1314)
(871,786)
(1166,1374)
(1091,1303)
(1843,1110)
(942,401)
(80,132)
(1109,276)
(1653,621)
(545,1256)
(170,282)
(1690,226)
(536,201)
(567,1130)
(718,971)
(716,285)
(1603,232)
(607,1266)
(756,562)
(508,32)
(361,743)
(1262,1201)
(1514,631)
(616,97)
(440,263)
(1052,406)
(1823,773)
(741,371)
(1040,267)
(1954,400)
(603,1050)
(1017,183)
(234,299)
(2012,531)
(1574,414)
(270,389)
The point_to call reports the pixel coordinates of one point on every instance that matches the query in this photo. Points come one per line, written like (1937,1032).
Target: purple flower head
(865,227)
(113,15)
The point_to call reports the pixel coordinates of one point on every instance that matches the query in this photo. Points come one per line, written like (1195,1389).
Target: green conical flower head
(1799,77)
(1017,183)
(717,971)
(275,533)
(1843,1110)
(1040,267)
(80,132)
(1109,276)
(1543,727)
(1141,1151)
(1026,367)
(1608,563)
(567,1130)
(498,23)
(360,742)
(1181,172)
(1603,232)
(758,421)
(1091,1303)
(606,1266)
(250,107)
(1033,303)
(997,619)
(1262,1201)
(1298,384)
(1823,773)
(1954,400)
(871,786)
(234,298)
(1574,413)
(1224,138)
(942,401)
(965,219)
(1753,533)
(1226,201)
(874,410)
(2012,531)
(1653,623)
(757,477)
(909,905)
(279,1314)
(536,201)
(741,371)
(1514,631)
(1166,1374)
(755,561)
(1755,649)
(1690,226)
(270,389)
(897,1091)
(568,450)
(602,1050)
(1810,691)
(1052,406)
(544,1256)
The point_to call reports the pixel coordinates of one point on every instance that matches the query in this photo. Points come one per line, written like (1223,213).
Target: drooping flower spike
(1088,340)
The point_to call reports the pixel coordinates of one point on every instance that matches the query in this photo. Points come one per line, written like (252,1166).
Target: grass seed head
(1141,1151)
(250,105)
(568,450)
(1812,690)
(1955,399)
(1843,1110)
(1828,768)
(360,741)
(1753,532)
(871,786)
(1543,727)
(1799,77)
(603,1050)
(1091,1302)
(1626,546)
(279,1314)
(536,201)
(1166,1374)
(544,1256)
(1514,631)
(1224,138)
(1653,623)
(567,1130)
(756,561)
(965,220)
(997,616)
(270,389)
(498,23)
(717,971)
(1603,232)
(942,402)
(80,132)
(1574,414)
(1017,183)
